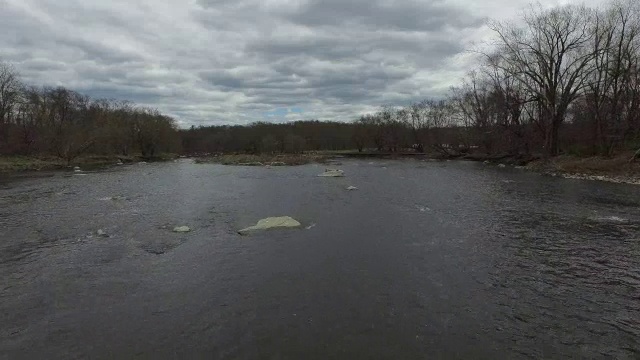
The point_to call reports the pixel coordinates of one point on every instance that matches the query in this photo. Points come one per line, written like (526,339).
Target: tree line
(565,79)
(60,122)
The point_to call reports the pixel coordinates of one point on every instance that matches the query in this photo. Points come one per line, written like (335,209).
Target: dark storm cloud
(380,14)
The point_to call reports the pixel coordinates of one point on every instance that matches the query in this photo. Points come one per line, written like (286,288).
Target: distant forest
(560,80)
(63,123)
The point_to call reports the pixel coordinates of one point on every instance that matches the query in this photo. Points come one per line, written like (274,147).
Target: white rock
(352,188)
(181,229)
(272,222)
(101,233)
(332,173)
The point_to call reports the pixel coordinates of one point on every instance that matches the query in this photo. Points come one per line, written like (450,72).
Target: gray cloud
(237,61)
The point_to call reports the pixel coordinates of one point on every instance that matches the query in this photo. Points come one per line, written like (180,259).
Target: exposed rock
(332,173)
(270,223)
(502,165)
(352,188)
(254,163)
(181,229)
(278,163)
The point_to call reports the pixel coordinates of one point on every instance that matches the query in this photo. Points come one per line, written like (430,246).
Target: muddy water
(423,261)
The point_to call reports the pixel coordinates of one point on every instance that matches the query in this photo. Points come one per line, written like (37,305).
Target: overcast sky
(237,61)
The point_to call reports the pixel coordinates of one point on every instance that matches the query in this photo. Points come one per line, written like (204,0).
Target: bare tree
(10,87)
(611,92)
(551,57)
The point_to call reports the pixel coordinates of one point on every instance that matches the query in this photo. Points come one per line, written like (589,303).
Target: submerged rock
(102,233)
(272,222)
(114,198)
(332,173)
(181,229)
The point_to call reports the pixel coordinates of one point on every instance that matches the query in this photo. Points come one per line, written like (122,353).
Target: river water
(446,260)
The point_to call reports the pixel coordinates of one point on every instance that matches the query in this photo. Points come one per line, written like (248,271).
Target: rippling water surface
(425,261)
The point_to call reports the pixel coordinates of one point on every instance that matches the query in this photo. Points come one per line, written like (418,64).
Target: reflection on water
(425,260)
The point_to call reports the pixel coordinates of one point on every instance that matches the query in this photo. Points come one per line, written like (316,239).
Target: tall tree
(550,55)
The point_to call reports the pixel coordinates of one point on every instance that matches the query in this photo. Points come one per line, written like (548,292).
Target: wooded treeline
(565,79)
(63,123)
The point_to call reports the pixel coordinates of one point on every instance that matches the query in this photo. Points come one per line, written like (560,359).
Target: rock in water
(332,173)
(352,188)
(181,229)
(270,223)
(101,233)
(502,165)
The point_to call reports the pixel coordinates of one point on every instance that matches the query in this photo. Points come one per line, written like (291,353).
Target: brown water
(425,261)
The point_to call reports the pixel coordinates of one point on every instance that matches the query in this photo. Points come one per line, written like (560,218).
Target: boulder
(332,173)
(271,223)
(181,229)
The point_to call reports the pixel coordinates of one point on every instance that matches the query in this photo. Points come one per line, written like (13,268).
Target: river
(426,260)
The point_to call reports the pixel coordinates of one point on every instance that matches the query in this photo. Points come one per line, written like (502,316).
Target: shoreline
(27,164)
(617,169)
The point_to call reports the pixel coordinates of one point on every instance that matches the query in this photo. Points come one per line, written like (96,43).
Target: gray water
(448,260)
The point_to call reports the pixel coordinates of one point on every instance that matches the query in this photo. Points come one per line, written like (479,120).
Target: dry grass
(264,159)
(43,163)
(618,165)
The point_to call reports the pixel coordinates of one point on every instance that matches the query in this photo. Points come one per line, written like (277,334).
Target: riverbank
(616,169)
(264,159)
(51,163)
